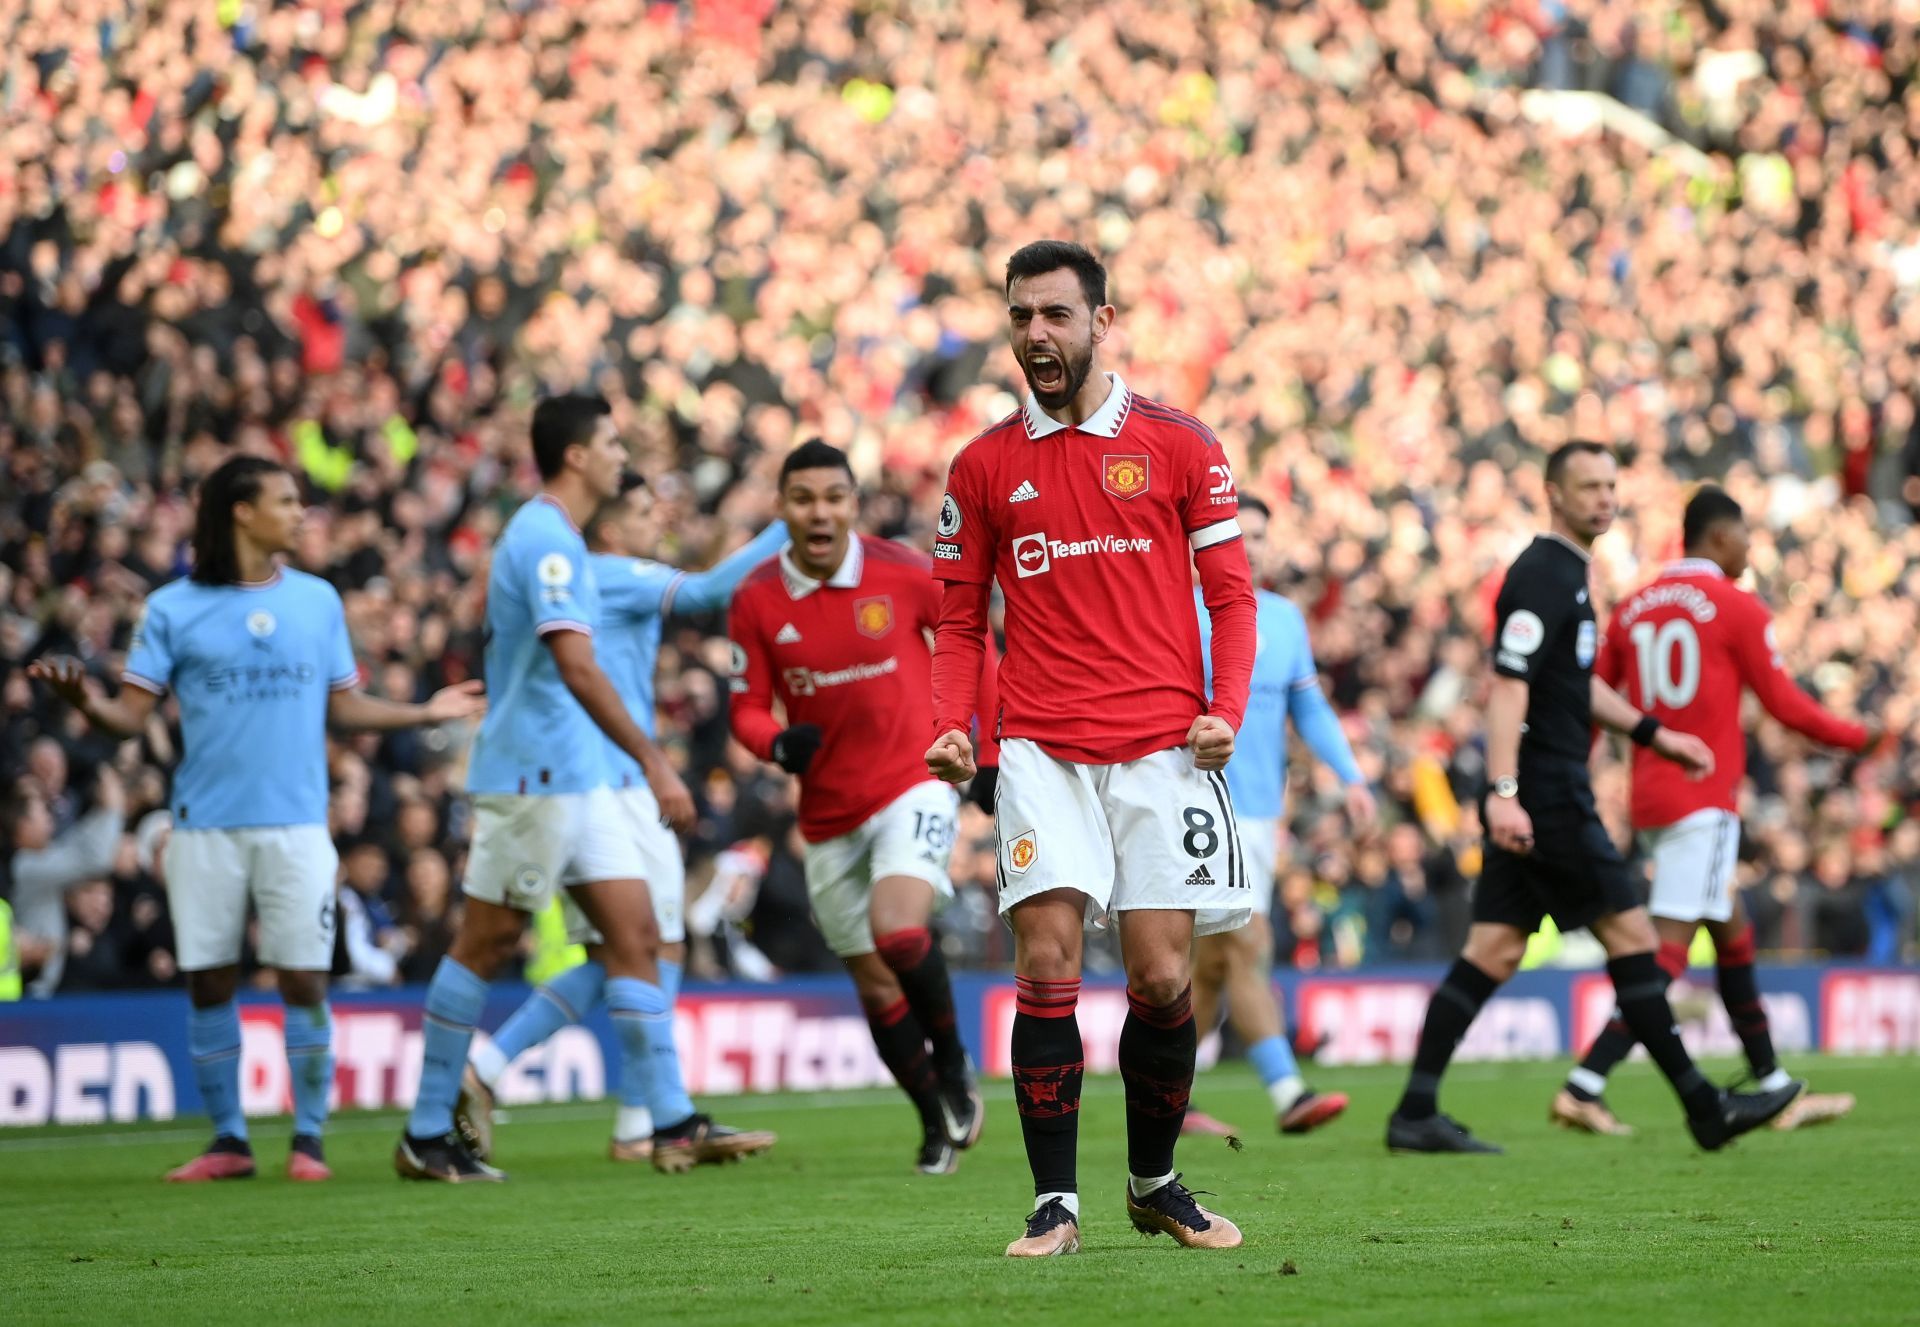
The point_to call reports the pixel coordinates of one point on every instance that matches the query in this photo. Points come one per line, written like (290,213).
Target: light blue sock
(310,1057)
(213,1039)
(454,1002)
(568,998)
(643,1016)
(1273,1060)
(636,1071)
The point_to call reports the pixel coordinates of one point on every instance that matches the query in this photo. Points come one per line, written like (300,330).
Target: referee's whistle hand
(1211,738)
(951,757)
(1685,750)
(1509,826)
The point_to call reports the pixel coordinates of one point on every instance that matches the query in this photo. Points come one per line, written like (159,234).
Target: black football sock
(921,970)
(1048,1064)
(1613,1045)
(1740,992)
(1640,985)
(903,1049)
(1449,1014)
(1157,1046)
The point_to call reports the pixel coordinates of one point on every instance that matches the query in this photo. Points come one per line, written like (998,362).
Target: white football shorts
(1148,833)
(1693,866)
(662,867)
(911,836)
(526,847)
(289,873)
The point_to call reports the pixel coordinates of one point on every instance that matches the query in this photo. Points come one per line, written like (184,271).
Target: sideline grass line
(772,1103)
(382,1121)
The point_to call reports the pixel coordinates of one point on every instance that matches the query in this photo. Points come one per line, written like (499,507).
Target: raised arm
(123,715)
(709,590)
(1757,652)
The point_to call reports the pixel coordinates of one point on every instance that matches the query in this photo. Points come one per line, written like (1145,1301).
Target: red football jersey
(849,654)
(1682,649)
(1092,533)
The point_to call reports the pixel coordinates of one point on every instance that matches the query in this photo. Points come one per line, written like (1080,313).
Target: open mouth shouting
(1048,375)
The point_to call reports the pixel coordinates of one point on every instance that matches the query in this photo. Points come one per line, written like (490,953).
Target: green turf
(833,1228)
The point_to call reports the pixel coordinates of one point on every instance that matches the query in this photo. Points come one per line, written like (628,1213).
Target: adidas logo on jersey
(1202,877)
(788,636)
(1025,493)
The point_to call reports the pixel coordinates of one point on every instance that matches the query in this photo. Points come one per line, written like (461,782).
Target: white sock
(1140,1187)
(1072,1200)
(632,1123)
(1286,1091)
(1587,1080)
(1774,1081)
(487,1061)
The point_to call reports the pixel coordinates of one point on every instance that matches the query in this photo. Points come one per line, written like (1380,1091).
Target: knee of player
(1045,958)
(1496,951)
(303,989)
(1158,982)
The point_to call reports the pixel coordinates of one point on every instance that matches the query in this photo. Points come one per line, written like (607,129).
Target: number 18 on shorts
(1148,833)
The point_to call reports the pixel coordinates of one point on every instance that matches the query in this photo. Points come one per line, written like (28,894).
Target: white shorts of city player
(1693,865)
(910,836)
(637,815)
(1260,850)
(288,871)
(1148,833)
(526,848)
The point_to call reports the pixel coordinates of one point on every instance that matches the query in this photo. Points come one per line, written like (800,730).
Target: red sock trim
(893,1013)
(1738,952)
(1169,1015)
(1672,957)
(904,948)
(1045,999)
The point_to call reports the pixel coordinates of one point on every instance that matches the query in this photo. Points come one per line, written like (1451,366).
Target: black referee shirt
(1546,637)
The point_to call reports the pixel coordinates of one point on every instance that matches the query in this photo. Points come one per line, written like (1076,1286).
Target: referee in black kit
(1548,851)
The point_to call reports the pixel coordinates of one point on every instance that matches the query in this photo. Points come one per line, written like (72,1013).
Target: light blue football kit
(1286,686)
(252,667)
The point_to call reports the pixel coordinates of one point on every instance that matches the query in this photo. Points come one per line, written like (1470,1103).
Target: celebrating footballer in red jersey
(837,627)
(1091,507)
(1685,649)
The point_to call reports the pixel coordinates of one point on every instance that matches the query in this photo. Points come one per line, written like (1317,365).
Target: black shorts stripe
(1230,827)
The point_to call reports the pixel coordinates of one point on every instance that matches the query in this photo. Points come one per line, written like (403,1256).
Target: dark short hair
(1050,256)
(1557,462)
(215,560)
(814,455)
(612,508)
(1706,509)
(1250,503)
(560,422)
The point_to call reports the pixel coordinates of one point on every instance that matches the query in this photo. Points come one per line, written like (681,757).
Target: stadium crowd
(1391,251)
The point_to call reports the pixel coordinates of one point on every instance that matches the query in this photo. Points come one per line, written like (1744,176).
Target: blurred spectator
(374,944)
(364,238)
(44,867)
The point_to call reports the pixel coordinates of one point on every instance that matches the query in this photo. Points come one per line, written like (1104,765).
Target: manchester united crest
(1124,476)
(873,617)
(1021,852)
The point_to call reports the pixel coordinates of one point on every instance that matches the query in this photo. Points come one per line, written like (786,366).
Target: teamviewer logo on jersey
(1030,556)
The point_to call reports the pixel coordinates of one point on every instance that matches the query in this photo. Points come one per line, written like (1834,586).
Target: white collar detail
(1584,554)
(1105,421)
(1694,567)
(846,577)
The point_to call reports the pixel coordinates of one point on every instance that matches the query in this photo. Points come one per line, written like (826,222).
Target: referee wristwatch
(1508,787)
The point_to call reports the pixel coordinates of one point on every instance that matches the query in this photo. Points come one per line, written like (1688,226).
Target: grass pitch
(833,1228)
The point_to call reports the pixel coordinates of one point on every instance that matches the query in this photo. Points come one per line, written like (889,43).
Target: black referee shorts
(1574,874)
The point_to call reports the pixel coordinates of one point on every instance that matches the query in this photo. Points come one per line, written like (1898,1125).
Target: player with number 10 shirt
(1686,648)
